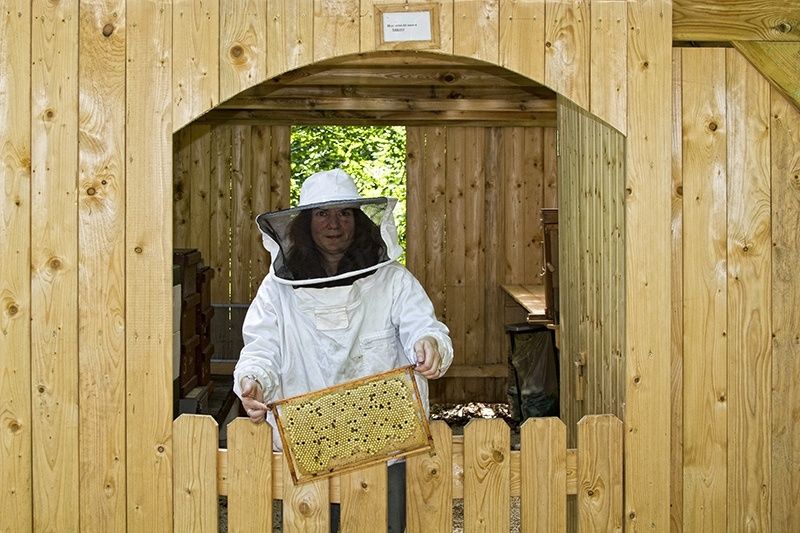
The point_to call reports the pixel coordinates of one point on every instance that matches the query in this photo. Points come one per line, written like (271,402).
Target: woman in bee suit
(336,306)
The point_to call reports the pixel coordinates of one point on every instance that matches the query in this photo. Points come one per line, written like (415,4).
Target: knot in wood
(108,29)
(54,263)
(498,456)
(237,51)
(784,27)
(138,249)
(364,485)
(49,114)
(14,426)
(12,309)
(712,126)
(91,191)
(160,448)
(304,508)
(448,77)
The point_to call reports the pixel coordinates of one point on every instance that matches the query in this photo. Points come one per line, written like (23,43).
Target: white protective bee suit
(301,336)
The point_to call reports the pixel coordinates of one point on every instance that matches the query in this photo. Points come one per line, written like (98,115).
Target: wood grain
(785,427)
(16,513)
(54,266)
(676,392)
(200,175)
(336,28)
(608,87)
(543,471)
(522,38)
(487,453)
(220,213)
(566,56)
(242,46)
(195,59)
(735,20)
(429,489)
(600,473)
(101,284)
(250,467)
(475,29)
(242,213)
(749,296)
(148,254)
(647,261)
(182,188)
(195,457)
(778,62)
(364,489)
(290,29)
(305,507)
(705,324)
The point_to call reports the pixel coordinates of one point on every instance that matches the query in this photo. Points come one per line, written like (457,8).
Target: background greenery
(375,157)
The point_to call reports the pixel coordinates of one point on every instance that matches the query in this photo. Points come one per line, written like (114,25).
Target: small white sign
(407,26)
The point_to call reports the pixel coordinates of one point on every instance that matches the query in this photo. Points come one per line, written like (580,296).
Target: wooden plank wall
(223,177)
(591,250)
(473,224)
(735,236)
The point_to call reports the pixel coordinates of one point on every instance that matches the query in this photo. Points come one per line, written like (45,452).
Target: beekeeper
(336,305)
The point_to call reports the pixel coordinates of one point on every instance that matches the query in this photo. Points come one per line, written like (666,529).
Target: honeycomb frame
(353,424)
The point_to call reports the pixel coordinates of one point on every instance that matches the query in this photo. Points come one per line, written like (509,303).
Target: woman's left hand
(429,360)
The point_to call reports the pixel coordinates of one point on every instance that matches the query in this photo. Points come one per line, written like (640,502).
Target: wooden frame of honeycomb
(353,424)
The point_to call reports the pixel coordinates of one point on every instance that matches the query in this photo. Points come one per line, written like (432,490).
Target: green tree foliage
(375,156)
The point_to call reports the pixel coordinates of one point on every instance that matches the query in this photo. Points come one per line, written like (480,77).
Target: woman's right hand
(253,400)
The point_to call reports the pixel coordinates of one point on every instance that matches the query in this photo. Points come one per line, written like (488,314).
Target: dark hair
(305,261)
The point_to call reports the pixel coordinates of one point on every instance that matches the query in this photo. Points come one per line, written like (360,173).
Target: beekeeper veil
(298,256)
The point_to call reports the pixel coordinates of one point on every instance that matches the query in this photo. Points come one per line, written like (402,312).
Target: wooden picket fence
(479,467)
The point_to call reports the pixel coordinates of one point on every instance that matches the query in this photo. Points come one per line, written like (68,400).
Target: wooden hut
(667,133)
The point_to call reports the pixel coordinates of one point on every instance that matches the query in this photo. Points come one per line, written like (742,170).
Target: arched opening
(483,162)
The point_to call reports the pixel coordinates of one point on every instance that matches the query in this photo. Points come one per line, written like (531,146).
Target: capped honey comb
(352,424)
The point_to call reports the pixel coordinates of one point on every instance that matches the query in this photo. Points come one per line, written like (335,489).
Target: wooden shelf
(532,299)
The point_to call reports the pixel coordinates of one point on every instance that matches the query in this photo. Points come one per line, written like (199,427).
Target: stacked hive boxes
(194,383)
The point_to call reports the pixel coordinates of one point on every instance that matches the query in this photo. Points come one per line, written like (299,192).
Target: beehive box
(353,424)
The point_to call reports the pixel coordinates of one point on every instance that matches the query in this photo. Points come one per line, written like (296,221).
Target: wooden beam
(388,104)
(778,62)
(380,117)
(736,20)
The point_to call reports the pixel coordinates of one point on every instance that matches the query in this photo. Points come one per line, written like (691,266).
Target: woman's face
(332,230)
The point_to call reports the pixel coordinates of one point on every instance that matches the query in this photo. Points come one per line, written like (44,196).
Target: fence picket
(363,490)
(600,473)
(544,475)
(195,441)
(250,467)
(429,485)
(487,461)
(305,507)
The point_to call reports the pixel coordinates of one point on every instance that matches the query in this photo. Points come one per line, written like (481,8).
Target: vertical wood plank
(336,28)
(455,249)
(242,217)
(260,170)
(550,168)
(361,490)
(148,281)
(280,172)
(600,473)
(566,56)
(54,265)
(249,469)
(704,268)
(647,259)
(749,296)
(242,46)
(676,395)
(305,507)
(513,204)
(474,272)
(494,238)
(182,188)
(476,29)
(200,176)
(533,186)
(290,30)
(16,513)
(429,485)
(522,37)
(487,460)
(415,203)
(101,303)
(785,483)
(543,482)
(196,438)
(220,204)
(195,59)
(608,88)
(435,167)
